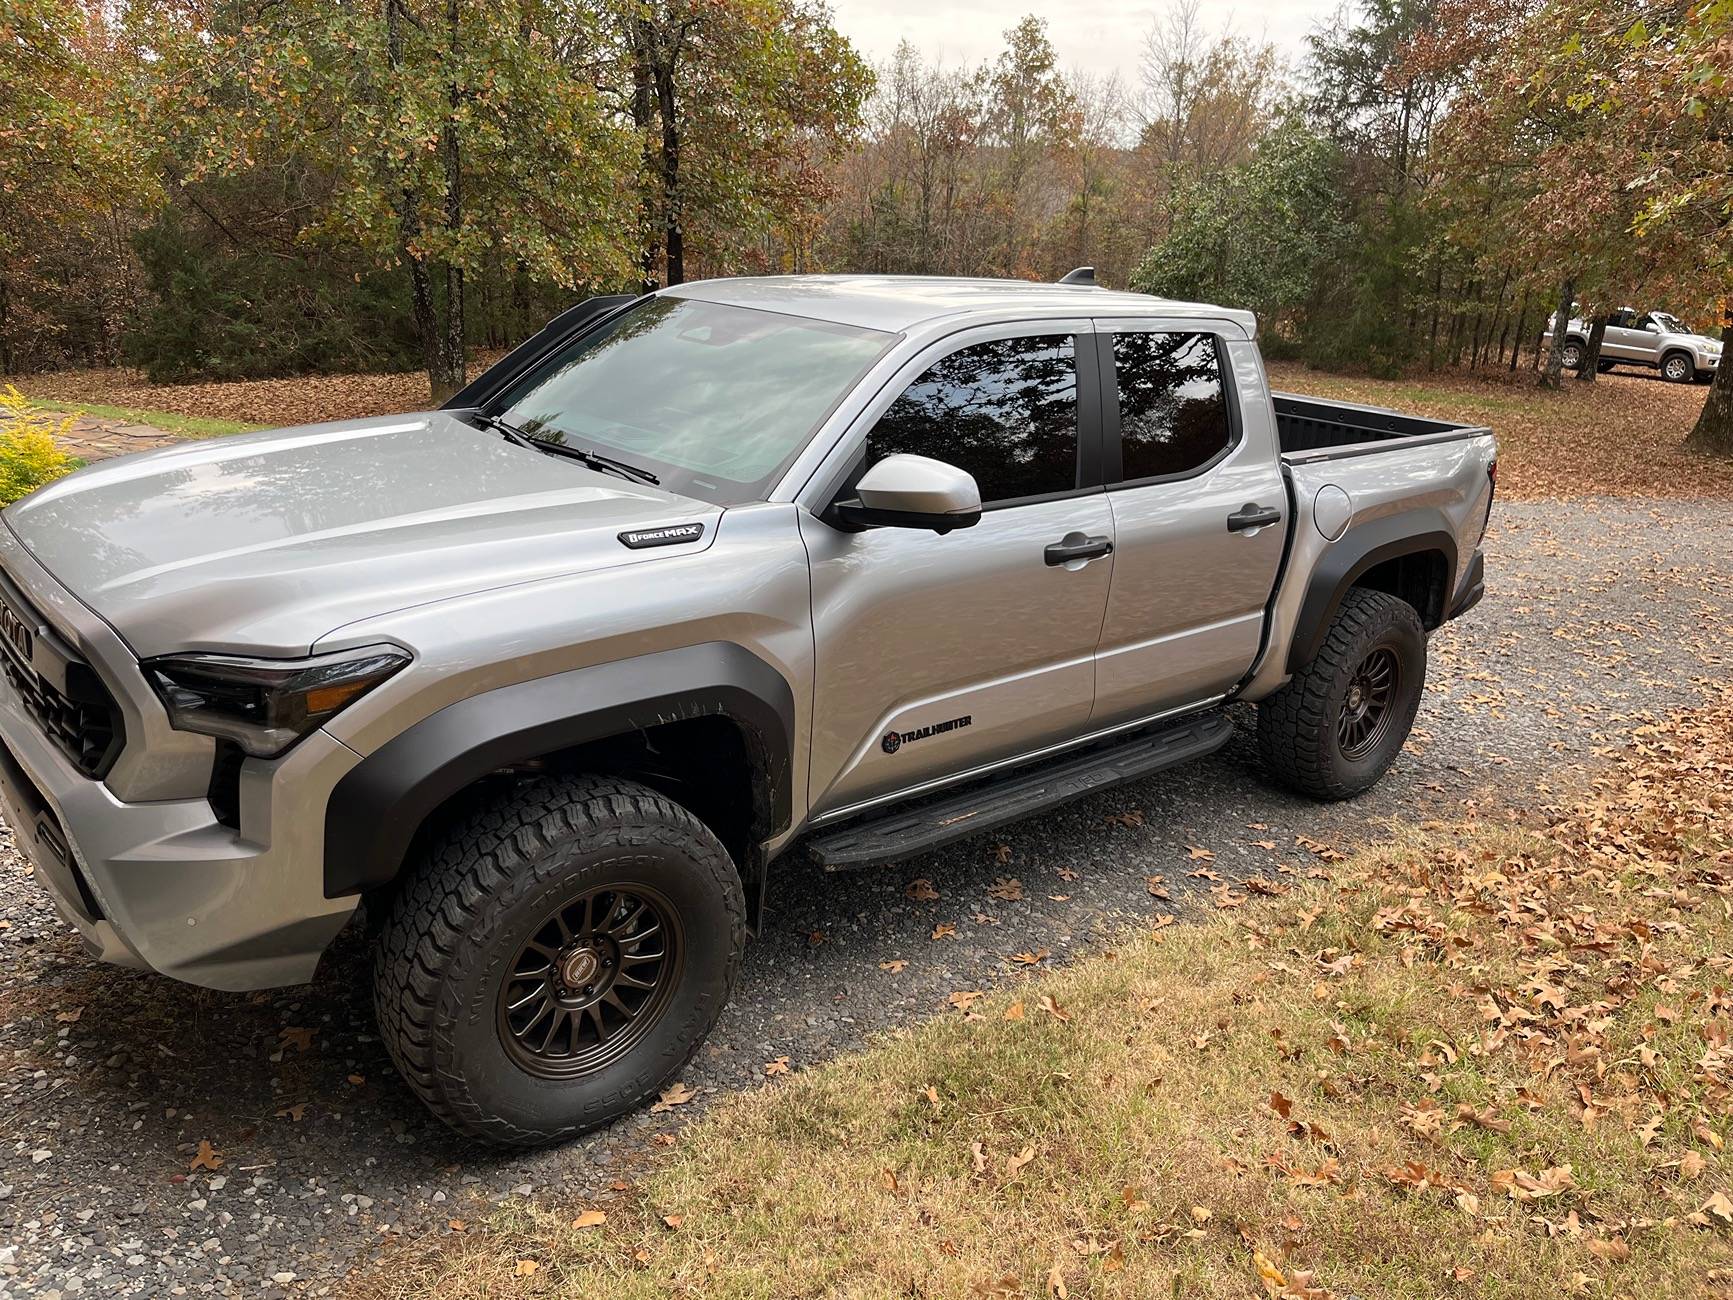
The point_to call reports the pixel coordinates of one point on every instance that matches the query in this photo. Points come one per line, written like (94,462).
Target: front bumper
(160,882)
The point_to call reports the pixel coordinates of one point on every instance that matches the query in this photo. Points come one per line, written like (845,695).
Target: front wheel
(1573,355)
(558,958)
(1679,369)
(1333,730)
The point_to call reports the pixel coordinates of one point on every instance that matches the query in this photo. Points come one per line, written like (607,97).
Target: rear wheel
(1677,368)
(558,958)
(1335,728)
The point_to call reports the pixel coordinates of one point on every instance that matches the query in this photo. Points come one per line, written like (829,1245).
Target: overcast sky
(1098,36)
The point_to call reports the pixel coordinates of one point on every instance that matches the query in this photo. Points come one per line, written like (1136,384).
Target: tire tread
(445,897)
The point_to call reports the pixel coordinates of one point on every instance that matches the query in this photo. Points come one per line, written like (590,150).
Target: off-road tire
(1298,725)
(483,888)
(1678,368)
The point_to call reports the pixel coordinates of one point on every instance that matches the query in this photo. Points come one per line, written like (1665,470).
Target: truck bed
(1311,429)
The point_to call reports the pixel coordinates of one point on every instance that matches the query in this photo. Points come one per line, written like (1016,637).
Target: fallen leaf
(525,1267)
(590,1219)
(1014,1011)
(1014,1164)
(1030,958)
(921,890)
(1052,1008)
(1056,1284)
(207,1158)
(963,999)
(677,1094)
(895,966)
(944,930)
(69,1017)
(1007,889)
(776,1067)
(295,1036)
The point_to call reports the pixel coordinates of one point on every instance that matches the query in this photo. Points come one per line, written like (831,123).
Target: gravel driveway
(1600,614)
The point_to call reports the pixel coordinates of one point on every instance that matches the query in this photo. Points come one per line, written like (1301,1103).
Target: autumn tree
(446,130)
(742,109)
(1263,234)
(1659,77)
(69,189)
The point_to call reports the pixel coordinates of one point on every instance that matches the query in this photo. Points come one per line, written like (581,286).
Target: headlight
(266,705)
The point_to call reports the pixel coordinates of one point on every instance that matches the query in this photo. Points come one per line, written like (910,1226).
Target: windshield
(1670,323)
(714,400)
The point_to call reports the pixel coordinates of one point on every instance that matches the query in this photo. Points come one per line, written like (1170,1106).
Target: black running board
(903,832)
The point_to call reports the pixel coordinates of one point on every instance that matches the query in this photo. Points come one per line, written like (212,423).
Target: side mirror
(906,491)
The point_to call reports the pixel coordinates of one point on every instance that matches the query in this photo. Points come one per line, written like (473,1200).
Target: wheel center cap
(578,968)
(1355,696)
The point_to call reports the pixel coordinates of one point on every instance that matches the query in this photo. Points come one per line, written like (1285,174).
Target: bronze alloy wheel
(591,981)
(1366,710)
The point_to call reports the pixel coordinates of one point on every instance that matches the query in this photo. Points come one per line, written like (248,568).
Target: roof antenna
(1082,275)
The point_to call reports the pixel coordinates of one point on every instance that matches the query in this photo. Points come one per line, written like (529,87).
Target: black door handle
(1077,546)
(1251,516)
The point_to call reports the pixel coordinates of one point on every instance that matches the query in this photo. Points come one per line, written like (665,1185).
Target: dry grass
(1478,1060)
(269,403)
(1623,435)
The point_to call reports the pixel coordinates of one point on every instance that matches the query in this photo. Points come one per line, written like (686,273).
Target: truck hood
(267,542)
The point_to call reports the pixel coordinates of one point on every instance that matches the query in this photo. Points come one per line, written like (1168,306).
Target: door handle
(1077,546)
(1251,516)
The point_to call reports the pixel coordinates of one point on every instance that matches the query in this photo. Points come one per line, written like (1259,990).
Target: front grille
(58,689)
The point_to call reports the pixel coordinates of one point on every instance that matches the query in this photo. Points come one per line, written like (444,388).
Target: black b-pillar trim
(377,807)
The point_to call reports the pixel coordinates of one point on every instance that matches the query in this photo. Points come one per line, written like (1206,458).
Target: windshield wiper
(593,459)
(509,432)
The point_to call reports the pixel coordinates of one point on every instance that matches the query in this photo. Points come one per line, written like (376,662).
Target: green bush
(29,456)
(259,305)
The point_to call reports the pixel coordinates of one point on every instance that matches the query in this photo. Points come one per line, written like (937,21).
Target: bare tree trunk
(1591,365)
(1555,357)
(673,236)
(449,375)
(408,205)
(642,112)
(1516,341)
(1713,432)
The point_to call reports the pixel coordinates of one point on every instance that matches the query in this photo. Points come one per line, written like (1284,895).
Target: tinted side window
(1173,414)
(1005,411)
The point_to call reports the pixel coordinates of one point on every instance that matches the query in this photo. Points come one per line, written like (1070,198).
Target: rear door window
(1173,409)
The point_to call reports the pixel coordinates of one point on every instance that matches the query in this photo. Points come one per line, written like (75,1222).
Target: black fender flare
(380,803)
(1363,547)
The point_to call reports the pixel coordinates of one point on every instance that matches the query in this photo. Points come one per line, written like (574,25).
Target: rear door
(1623,341)
(1199,516)
(934,654)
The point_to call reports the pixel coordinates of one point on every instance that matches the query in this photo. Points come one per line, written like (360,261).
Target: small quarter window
(1006,411)
(1173,413)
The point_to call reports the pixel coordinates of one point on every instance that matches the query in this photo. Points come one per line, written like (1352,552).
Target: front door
(936,654)
(1193,568)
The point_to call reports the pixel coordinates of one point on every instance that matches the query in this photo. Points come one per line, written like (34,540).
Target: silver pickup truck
(546,682)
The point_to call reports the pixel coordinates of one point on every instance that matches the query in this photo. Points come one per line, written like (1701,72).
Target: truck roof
(898,303)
